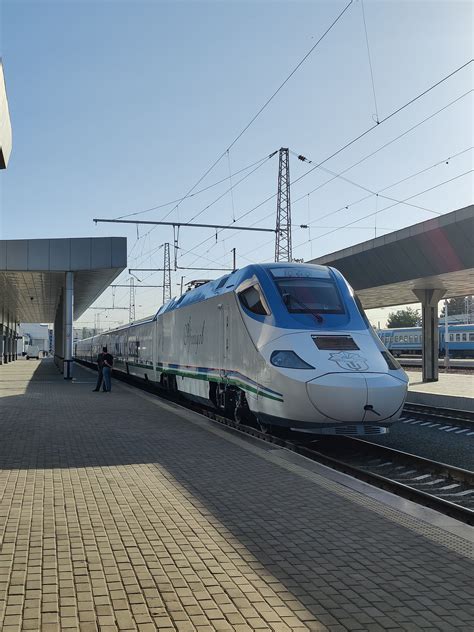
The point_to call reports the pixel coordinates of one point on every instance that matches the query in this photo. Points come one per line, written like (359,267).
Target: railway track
(456,417)
(445,488)
(456,365)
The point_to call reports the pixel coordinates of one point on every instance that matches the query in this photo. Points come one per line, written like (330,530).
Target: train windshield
(304,290)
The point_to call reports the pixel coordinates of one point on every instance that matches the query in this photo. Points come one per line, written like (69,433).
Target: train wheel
(242,413)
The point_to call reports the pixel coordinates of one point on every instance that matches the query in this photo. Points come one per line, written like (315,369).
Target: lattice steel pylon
(166,274)
(131,307)
(283,248)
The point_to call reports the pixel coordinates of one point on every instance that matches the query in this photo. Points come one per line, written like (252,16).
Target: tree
(409,317)
(456,306)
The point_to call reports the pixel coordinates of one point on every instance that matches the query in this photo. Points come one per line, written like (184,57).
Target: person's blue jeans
(106,372)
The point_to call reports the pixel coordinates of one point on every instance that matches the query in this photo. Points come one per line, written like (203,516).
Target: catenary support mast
(166,274)
(283,249)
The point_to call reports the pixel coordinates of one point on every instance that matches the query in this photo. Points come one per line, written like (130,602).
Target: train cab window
(253,300)
(303,292)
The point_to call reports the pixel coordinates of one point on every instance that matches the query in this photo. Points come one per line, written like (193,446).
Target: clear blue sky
(120,106)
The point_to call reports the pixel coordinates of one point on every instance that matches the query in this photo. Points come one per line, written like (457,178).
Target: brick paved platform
(119,512)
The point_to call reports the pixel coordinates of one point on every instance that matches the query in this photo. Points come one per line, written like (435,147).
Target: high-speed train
(285,344)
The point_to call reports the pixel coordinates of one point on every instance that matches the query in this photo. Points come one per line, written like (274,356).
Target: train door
(218,392)
(223,339)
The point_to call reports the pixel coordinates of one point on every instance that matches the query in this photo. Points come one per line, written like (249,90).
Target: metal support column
(283,247)
(429,299)
(68,325)
(166,274)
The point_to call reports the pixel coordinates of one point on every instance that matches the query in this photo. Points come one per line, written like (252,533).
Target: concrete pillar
(429,299)
(58,335)
(68,324)
(2,334)
(15,342)
(8,341)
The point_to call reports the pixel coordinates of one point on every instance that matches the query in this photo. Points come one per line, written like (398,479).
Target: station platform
(123,512)
(452,390)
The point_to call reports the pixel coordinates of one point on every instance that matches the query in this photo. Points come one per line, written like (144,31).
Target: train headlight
(288,360)
(392,364)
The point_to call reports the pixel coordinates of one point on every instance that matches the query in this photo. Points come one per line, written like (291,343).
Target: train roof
(230,281)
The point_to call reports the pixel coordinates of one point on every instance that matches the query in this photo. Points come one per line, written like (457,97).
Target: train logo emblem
(349,361)
(193,338)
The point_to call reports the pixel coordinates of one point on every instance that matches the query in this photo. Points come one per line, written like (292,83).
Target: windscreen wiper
(313,312)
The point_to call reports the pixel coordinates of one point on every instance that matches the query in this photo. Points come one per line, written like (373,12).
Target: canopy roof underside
(32,274)
(436,254)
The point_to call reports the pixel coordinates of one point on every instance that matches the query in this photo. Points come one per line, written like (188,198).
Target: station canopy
(32,274)
(437,254)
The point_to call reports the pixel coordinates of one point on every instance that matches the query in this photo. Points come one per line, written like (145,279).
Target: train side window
(252,299)
(458,337)
(405,339)
(410,338)
(464,337)
(471,337)
(451,337)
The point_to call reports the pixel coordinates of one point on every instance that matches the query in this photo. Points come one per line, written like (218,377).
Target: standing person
(107,371)
(100,367)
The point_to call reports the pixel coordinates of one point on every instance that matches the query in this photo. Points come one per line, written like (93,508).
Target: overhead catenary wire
(390,186)
(358,185)
(365,133)
(386,118)
(196,193)
(264,106)
(390,142)
(256,165)
(436,186)
(359,136)
(370,62)
(231,188)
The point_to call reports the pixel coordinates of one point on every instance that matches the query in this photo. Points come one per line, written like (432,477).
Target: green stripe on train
(210,378)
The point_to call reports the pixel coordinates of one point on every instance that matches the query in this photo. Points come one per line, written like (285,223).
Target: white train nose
(356,397)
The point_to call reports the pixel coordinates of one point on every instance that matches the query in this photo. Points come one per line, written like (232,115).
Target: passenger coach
(408,340)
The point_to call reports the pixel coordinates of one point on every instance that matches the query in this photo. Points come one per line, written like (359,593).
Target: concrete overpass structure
(424,263)
(54,281)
